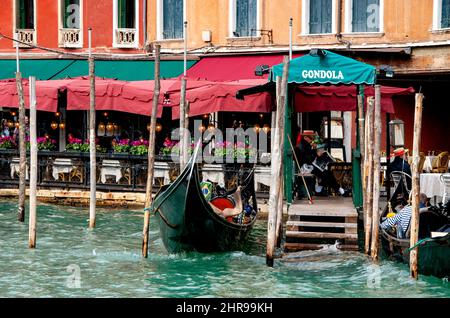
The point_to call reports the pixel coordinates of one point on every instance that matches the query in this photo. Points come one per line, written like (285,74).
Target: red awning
(343,98)
(208,97)
(131,97)
(46,94)
(233,68)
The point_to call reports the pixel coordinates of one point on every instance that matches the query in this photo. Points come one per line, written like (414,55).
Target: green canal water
(72,261)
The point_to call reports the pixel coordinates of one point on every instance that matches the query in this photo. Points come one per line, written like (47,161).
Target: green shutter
(21,14)
(121,14)
(445,20)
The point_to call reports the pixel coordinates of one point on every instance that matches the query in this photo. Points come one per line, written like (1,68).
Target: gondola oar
(298,165)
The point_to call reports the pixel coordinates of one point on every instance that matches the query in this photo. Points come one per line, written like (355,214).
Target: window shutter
(252,16)
(327,16)
(445,20)
(362,15)
(320,16)
(68,14)
(242,17)
(178,19)
(20,14)
(246,17)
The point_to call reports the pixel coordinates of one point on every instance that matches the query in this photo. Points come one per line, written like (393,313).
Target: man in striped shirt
(402,219)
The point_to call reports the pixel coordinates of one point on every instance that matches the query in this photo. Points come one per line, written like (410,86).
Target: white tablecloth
(62,165)
(213,173)
(262,176)
(161,170)
(15,168)
(431,185)
(111,168)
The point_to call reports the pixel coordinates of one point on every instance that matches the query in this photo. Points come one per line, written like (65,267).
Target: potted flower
(139,147)
(122,146)
(45,143)
(76,144)
(7,142)
(167,147)
(223,150)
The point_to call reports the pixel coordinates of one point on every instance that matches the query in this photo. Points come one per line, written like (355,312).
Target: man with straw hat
(399,163)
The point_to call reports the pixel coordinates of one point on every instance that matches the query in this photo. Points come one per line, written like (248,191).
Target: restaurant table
(161,170)
(111,168)
(15,168)
(431,185)
(62,165)
(213,173)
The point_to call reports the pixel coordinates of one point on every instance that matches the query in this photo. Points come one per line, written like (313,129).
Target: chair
(445,179)
(400,177)
(440,163)
(421,161)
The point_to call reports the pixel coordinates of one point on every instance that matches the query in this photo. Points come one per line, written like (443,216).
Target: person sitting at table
(401,220)
(325,177)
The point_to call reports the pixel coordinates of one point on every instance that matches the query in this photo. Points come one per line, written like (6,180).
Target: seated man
(401,220)
(324,176)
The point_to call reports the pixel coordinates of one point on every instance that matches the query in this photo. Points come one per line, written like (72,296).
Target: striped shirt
(401,220)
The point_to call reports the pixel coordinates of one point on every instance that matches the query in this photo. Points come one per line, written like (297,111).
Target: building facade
(408,38)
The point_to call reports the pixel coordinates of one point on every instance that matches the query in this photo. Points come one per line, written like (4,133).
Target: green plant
(139,150)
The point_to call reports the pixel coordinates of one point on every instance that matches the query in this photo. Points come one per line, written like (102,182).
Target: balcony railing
(115,172)
(70,38)
(126,38)
(26,36)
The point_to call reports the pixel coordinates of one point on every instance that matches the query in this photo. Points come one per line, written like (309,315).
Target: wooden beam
(183,150)
(22,149)
(376,175)
(151,153)
(277,161)
(368,175)
(413,257)
(322,224)
(92,146)
(321,235)
(33,164)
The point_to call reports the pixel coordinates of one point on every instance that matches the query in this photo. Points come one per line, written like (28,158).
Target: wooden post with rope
(414,235)
(277,164)
(376,175)
(33,165)
(151,153)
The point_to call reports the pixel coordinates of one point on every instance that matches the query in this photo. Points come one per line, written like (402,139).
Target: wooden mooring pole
(92,147)
(376,175)
(413,257)
(277,164)
(368,175)
(33,165)
(151,152)
(183,150)
(22,149)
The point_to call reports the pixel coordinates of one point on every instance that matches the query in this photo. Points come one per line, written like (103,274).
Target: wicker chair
(440,163)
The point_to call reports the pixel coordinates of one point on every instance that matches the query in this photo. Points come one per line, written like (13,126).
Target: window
(71,14)
(365,15)
(172,19)
(320,16)
(445,16)
(71,23)
(245,18)
(25,14)
(126,14)
(125,23)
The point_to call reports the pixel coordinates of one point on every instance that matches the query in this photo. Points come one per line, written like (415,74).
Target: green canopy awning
(325,67)
(46,69)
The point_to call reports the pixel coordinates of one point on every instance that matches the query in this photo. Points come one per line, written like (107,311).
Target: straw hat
(399,152)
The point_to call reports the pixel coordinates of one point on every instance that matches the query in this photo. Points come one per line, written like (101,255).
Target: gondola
(434,253)
(187,221)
